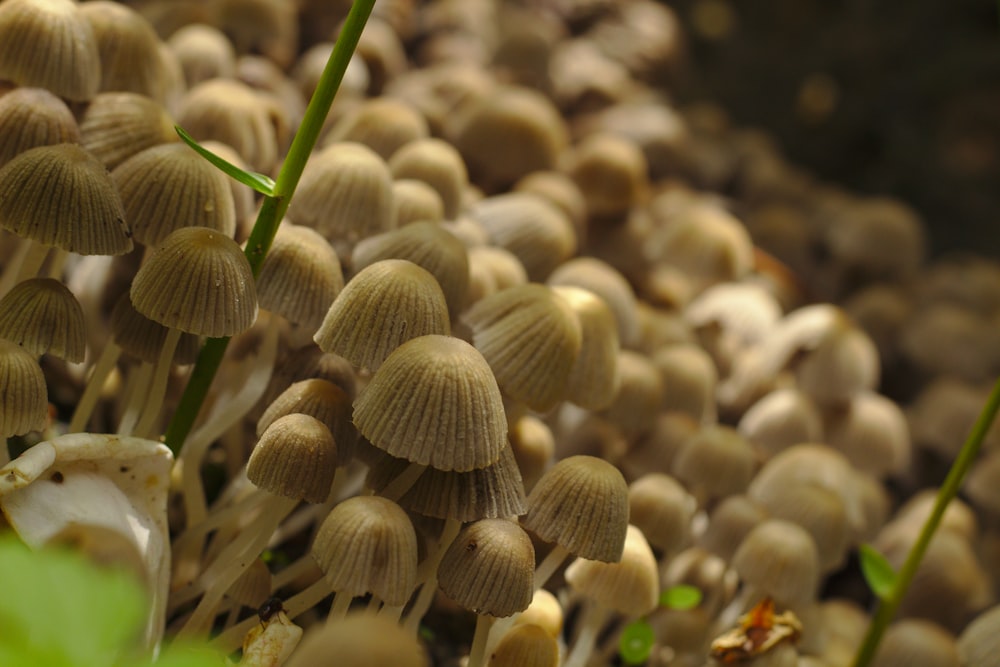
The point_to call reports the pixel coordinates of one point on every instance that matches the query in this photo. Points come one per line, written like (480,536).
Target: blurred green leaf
(636,642)
(681,597)
(878,573)
(184,655)
(259,182)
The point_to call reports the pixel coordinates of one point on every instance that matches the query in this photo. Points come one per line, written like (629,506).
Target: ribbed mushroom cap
(384,124)
(872,433)
(301,276)
(198,281)
(323,400)
(204,52)
(31,117)
(129,50)
(252,587)
(656,450)
(525,646)
(434,402)
(489,568)
(439,165)
(169,186)
(544,612)
(639,397)
(912,641)
(594,380)
(42,316)
(729,523)
(71,67)
(429,246)
(779,558)
(780,419)
(581,504)
(143,338)
(492,270)
(630,586)
(345,193)
(715,463)
(979,643)
(415,201)
(484,493)
(116,126)
(367,544)
(611,172)
(821,512)
(531,338)
(383,306)
(24,402)
(359,640)
(662,509)
(535,231)
(62,196)
(689,378)
(296,458)
(533,446)
(608,283)
(559,189)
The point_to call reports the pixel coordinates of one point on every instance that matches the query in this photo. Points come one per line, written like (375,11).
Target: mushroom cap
(62,196)
(716,462)
(779,558)
(116,126)
(979,643)
(662,509)
(581,503)
(436,163)
(434,401)
(611,172)
(359,640)
(728,524)
(384,124)
(415,201)
(129,49)
(639,397)
(42,316)
(143,338)
(913,641)
(630,586)
(595,380)
(608,283)
(204,52)
(367,544)
(31,117)
(24,402)
(781,419)
(199,281)
(323,400)
(295,457)
(71,67)
(525,645)
(489,568)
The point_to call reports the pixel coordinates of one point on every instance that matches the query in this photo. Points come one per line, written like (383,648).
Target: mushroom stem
(477,652)
(549,565)
(593,618)
(57,260)
(139,378)
(88,400)
(338,610)
(428,576)
(25,263)
(398,487)
(158,388)
(391,612)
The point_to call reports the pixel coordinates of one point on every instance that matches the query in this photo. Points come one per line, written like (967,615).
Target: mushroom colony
(534,349)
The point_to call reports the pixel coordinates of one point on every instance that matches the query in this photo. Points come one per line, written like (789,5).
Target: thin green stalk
(271,213)
(949,489)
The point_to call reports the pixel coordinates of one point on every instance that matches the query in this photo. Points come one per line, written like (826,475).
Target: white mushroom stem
(158,389)
(25,263)
(591,621)
(338,610)
(57,260)
(398,487)
(477,653)
(427,575)
(98,376)
(139,379)
(233,561)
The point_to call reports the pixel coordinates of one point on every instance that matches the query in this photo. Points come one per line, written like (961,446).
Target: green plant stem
(949,489)
(271,213)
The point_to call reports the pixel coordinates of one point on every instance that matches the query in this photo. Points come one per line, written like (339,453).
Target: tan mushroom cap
(581,503)
(384,124)
(323,400)
(439,165)
(415,201)
(383,306)
(62,196)
(24,403)
(611,172)
(204,52)
(129,49)
(715,462)
(779,558)
(729,523)
(42,316)
(489,568)
(531,338)
(31,117)
(199,281)
(595,380)
(367,544)
(662,509)
(360,640)
(253,586)
(295,457)
(143,338)
(525,646)
(914,641)
(116,126)
(630,586)
(71,66)
(434,402)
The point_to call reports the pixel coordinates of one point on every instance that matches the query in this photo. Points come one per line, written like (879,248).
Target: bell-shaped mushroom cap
(559,189)
(384,124)
(116,126)
(199,281)
(844,363)
(729,523)
(533,446)
(484,493)
(300,277)
(415,201)
(323,400)
(296,458)
(525,645)
(439,165)
(170,186)
(608,283)
(429,246)
(979,643)
(581,504)
(716,462)
(143,338)
(535,231)
(689,377)
(129,50)
(913,641)
(434,402)
(821,512)
(42,316)
(594,380)
(630,586)
(383,306)
(62,196)
(367,544)
(24,403)
(779,558)
(544,612)
(204,52)
(489,568)
(359,640)
(71,67)
(531,338)
(345,194)
(32,117)
(662,509)
(781,419)
(871,432)
(611,172)
(253,587)
(640,395)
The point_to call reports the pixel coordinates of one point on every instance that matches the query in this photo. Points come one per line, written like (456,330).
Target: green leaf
(259,182)
(188,655)
(636,642)
(681,597)
(878,573)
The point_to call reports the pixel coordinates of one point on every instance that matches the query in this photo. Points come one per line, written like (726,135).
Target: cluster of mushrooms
(533,345)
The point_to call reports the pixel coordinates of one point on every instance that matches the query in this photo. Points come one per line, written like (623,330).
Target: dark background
(910,88)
